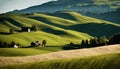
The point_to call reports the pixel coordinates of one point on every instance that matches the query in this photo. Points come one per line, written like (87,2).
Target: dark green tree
(103,41)
(87,42)
(12,44)
(115,39)
(94,42)
(71,43)
(11,30)
(1,45)
(5,44)
(34,28)
(83,42)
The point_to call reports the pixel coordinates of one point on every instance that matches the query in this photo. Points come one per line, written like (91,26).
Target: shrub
(115,39)
(34,28)
(11,30)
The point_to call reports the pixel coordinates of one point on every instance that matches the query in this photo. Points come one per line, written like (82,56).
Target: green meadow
(57,30)
(28,51)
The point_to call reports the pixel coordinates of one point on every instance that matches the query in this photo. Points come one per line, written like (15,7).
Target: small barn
(26,29)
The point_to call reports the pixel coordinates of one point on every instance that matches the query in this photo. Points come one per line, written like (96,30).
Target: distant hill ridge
(92,8)
(98,6)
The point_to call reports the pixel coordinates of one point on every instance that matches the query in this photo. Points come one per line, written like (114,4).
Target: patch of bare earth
(79,53)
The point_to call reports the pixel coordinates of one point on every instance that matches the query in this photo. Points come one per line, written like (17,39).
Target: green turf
(28,51)
(109,61)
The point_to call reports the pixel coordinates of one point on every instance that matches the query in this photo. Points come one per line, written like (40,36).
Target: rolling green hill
(108,61)
(57,30)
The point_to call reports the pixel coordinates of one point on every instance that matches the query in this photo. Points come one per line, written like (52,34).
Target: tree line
(95,42)
(8,45)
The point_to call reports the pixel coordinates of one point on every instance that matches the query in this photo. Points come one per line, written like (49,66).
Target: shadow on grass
(29,47)
(41,19)
(47,48)
(63,15)
(95,29)
(43,47)
(72,47)
(56,48)
(56,32)
(14,22)
(5,33)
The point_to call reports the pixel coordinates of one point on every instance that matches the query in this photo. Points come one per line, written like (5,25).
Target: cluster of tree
(115,39)
(34,28)
(11,30)
(8,45)
(95,42)
(37,43)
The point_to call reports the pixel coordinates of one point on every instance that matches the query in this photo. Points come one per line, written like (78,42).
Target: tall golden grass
(79,53)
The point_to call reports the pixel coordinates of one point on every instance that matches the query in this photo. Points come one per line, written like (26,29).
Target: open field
(79,53)
(106,61)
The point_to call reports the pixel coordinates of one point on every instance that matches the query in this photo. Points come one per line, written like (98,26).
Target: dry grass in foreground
(79,53)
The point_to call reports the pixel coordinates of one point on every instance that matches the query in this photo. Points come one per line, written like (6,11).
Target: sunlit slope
(80,23)
(56,29)
(54,35)
(25,39)
(74,17)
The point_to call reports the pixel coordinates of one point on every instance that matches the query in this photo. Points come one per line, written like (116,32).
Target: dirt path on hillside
(79,53)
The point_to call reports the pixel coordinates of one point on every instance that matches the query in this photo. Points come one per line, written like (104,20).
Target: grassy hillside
(108,61)
(89,25)
(28,51)
(80,23)
(57,30)
(24,39)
